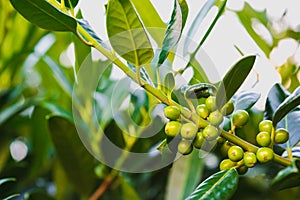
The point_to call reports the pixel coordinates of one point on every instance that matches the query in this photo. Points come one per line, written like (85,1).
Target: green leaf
(184,176)
(246,16)
(128,192)
(200,90)
(11,196)
(233,79)
(174,29)
(245,100)
(76,161)
(184,10)
(5,180)
(196,23)
(169,81)
(127,34)
(220,186)
(70,3)
(287,178)
(44,15)
(276,96)
(290,103)
(150,19)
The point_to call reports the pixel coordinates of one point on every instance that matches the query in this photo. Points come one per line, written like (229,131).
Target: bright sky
(227,33)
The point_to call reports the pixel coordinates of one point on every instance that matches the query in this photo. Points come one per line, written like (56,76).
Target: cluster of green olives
(236,157)
(191,135)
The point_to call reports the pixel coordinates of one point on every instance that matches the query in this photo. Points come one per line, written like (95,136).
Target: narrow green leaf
(76,161)
(196,23)
(169,81)
(233,79)
(184,10)
(70,3)
(150,19)
(44,15)
(290,103)
(5,180)
(128,192)
(220,186)
(127,34)
(287,178)
(184,176)
(174,30)
(245,100)
(11,196)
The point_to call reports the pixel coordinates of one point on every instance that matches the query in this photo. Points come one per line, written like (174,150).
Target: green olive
(185,147)
(215,118)
(172,128)
(225,147)
(210,132)
(198,141)
(249,159)
(264,154)
(210,103)
(172,112)
(202,111)
(189,130)
(281,136)
(235,153)
(227,164)
(263,139)
(228,108)
(266,126)
(240,118)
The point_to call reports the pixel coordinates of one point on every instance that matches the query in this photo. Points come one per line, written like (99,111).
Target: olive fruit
(227,109)
(242,170)
(240,118)
(202,111)
(198,141)
(172,128)
(210,103)
(264,154)
(224,148)
(266,126)
(189,130)
(263,139)
(281,136)
(235,153)
(185,147)
(227,164)
(215,118)
(172,112)
(210,132)
(249,159)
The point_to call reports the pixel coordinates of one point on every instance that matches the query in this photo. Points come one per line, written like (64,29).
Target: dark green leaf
(76,161)
(150,18)
(86,26)
(290,103)
(127,34)
(287,178)
(276,96)
(220,186)
(70,3)
(196,23)
(233,79)
(44,15)
(246,16)
(173,32)
(245,100)
(5,180)
(128,192)
(180,184)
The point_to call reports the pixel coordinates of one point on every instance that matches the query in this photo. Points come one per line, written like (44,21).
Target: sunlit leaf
(220,186)
(70,3)
(127,34)
(44,15)
(233,79)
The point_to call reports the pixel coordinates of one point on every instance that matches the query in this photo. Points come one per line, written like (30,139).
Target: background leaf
(290,103)
(5,180)
(233,79)
(245,100)
(127,34)
(44,15)
(221,185)
(76,161)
